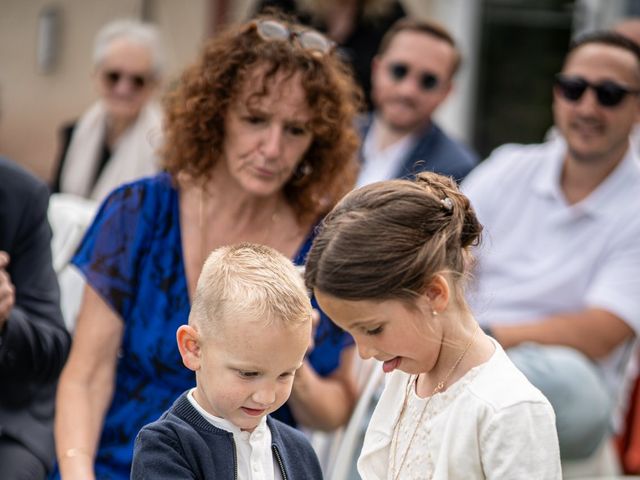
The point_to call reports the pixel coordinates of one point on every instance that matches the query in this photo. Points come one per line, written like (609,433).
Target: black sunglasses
(307,38)
(427,80)
(113,77)
(608,93)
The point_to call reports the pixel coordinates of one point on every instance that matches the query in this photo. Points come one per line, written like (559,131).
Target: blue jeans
(576,391)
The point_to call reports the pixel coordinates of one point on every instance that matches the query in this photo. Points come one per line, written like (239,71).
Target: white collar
(604,199)
(225,424)
(369,145)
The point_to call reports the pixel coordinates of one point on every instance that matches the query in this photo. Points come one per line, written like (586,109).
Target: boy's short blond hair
(248,280)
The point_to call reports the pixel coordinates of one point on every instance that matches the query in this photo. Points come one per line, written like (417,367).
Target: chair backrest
(351,441)
(337,450)
(69,216)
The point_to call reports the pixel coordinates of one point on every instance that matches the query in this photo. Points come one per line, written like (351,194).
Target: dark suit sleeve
(35,342)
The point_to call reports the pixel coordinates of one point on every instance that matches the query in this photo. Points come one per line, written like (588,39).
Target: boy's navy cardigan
(183,444)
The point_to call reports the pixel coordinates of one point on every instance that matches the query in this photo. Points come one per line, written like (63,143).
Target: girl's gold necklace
(439,387)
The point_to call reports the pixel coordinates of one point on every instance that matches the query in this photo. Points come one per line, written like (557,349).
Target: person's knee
(583,427)
(575,390)
(18,463)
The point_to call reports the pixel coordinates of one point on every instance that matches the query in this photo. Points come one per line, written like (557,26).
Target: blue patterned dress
(132,256)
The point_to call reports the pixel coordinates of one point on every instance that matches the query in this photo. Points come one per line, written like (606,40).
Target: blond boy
(248,331)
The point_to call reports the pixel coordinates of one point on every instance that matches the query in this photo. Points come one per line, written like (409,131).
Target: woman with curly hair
(259,144)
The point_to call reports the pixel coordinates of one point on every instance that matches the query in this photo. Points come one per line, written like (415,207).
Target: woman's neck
(214,214)
(224,213)
(221,197)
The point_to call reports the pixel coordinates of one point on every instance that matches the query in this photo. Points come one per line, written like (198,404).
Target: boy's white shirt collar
(255,459)
(223,423)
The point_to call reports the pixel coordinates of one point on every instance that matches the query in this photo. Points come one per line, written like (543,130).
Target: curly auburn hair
(197,107)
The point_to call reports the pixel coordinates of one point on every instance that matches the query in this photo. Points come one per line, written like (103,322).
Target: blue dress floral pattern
(132,257)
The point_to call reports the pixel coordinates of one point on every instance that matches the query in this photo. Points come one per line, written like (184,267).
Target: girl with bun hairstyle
(389,266)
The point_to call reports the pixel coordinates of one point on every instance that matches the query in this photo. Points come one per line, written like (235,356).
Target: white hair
(134,31)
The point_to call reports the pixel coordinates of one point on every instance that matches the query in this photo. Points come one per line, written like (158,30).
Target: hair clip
(447,203)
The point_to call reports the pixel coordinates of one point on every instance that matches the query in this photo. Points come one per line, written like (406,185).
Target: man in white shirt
(558,275)
(411,76)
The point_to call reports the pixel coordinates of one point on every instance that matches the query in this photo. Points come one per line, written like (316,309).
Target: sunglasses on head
(113,77)
(427,80)
(307,39)
(608,93)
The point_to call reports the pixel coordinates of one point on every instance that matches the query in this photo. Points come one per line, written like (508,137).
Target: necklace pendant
(439,387)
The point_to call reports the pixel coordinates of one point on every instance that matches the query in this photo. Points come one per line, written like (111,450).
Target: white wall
(33,105)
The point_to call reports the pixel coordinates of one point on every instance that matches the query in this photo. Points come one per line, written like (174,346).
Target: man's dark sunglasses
(113,77)
(427,80)
(608,93)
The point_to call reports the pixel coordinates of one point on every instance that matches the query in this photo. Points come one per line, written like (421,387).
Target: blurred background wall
(511,50)
(34,103)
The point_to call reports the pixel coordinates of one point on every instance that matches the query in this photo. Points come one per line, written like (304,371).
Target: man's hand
(7,290)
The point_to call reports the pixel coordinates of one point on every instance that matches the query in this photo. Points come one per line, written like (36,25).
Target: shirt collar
(606,198)
(547,181)
(369,147)
(223,423)
(602,201)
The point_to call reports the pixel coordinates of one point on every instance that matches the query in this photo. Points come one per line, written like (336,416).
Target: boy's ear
(189,345)
(438,293)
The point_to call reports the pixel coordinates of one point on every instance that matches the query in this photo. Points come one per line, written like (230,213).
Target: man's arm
(324,403)
(35,342)
(594,332)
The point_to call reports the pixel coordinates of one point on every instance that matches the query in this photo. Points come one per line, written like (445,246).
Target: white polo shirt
(541,256)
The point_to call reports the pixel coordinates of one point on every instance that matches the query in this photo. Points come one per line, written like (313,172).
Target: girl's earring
(434,313)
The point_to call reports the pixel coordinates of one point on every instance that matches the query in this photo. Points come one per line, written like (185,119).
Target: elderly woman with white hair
(115,140)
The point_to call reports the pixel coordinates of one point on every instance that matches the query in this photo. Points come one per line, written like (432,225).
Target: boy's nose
(265,396)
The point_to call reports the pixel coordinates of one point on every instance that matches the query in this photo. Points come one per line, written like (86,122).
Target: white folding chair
(347,455)
(69,217)
(336,450)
